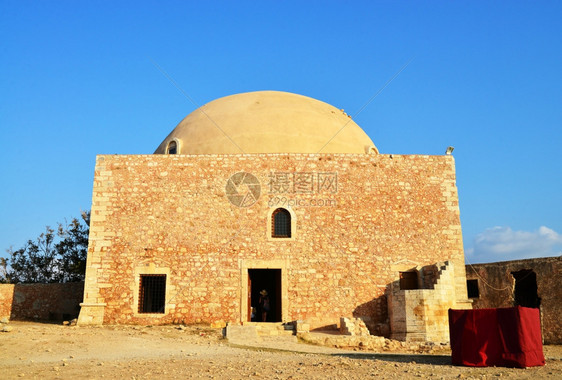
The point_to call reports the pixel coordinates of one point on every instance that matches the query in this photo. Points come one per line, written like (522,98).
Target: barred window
(281,223)
(152,293)
(172,147)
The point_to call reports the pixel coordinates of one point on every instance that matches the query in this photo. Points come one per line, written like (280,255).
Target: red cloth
(508,337)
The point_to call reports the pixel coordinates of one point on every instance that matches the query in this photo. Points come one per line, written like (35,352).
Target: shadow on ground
(401,358)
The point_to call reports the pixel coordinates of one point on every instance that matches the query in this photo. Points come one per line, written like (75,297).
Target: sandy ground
(48,351)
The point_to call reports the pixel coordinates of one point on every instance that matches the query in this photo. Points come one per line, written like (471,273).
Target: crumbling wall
(353,326)
(53,302)
(496,287)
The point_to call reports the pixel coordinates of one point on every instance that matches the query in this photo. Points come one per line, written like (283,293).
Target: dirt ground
(48,351)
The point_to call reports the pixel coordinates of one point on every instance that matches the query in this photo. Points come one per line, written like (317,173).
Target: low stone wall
(43,302)
(369,343)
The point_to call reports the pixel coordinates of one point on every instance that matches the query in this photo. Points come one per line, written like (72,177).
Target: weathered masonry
(41,302)
(531,283)
(196,233)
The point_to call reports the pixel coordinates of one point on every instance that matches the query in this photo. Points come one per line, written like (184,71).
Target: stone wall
(170,214)
(496,286)
(44,302)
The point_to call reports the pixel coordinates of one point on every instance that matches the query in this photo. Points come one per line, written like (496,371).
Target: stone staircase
(442,267)
(432,274)
(420,315)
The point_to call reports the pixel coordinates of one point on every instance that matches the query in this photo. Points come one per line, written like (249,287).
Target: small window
(152,293)
(472,289)
(281,223)
(409,280)
(172,147)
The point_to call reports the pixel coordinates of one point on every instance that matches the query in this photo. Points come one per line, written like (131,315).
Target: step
(280,339)
(271,328)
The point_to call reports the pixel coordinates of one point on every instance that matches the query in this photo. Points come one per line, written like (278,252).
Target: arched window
(281,223)
(172,147)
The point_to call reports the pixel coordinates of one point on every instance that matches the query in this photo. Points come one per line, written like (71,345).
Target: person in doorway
(264,305)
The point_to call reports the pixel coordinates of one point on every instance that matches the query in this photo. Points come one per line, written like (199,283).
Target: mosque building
(278,192)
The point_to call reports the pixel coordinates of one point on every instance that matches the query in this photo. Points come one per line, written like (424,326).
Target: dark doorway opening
(472,289)
(270,281)
(526,288)
(409,280)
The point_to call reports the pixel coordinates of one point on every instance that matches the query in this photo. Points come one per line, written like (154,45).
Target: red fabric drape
(507,337)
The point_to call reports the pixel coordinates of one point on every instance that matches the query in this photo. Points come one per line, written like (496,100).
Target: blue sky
(78,79)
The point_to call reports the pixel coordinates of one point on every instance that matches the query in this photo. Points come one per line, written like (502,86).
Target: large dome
(267,122)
